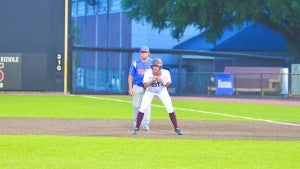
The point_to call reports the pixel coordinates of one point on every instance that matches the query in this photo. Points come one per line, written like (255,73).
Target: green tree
(282,16)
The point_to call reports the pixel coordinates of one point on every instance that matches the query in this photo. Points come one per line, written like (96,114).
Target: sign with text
(10,71)
(224,83)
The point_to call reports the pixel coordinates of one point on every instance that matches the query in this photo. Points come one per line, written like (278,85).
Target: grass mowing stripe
(66,106)
(205,112)
(51,152)
(235,116)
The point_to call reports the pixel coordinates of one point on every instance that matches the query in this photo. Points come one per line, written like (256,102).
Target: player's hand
(130,92)
(154,79)
(167,84)
(159,79)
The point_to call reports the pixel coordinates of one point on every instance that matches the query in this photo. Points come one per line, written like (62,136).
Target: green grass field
(48,152)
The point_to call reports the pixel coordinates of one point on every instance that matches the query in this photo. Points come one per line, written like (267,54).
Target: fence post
(236,92)
(180,73)
(261,91)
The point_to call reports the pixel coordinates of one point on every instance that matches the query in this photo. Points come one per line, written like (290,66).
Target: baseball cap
(144,49)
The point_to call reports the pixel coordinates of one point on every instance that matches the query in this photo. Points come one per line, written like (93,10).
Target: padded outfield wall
(32,45)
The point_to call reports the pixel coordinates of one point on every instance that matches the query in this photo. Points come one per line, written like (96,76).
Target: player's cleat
(178,132)
(135,131)
(134,124)
(145,128)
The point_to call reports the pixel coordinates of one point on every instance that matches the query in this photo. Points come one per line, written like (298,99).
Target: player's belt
(139,85)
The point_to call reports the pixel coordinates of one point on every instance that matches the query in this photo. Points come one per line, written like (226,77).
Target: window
(80,7)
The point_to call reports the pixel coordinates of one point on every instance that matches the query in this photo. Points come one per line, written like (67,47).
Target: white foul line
(234,116)
(102,98)
(200,111)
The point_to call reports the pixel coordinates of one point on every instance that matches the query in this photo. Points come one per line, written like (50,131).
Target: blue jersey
(138,69)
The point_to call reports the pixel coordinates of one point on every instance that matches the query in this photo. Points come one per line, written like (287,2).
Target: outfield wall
(32,30)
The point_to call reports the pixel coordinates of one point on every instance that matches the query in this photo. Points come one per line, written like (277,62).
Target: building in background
(267,48)
(102,23)
(32,48)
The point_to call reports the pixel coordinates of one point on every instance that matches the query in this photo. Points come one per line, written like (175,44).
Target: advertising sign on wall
(10,71)
(224,84)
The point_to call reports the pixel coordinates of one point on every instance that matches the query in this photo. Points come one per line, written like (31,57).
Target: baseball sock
(173,119)
(139,119)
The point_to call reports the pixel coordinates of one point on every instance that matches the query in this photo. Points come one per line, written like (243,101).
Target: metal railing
(105,71)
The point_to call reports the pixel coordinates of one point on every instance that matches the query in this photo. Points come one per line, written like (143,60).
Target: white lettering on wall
(10,59)
(225,84)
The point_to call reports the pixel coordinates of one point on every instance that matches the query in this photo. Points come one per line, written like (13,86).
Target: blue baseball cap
(144,49)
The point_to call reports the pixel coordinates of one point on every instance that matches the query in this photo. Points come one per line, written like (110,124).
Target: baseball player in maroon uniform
(156,81)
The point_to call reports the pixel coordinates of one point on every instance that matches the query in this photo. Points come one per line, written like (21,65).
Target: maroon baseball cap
(144,49)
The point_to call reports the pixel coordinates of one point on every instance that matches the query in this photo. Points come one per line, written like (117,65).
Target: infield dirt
(246,130)
(161,129)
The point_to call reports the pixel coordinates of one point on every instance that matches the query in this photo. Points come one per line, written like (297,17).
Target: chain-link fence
(96,71)
(259,84)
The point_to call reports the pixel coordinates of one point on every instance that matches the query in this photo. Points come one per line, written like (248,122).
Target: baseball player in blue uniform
(135,84)
(156,81)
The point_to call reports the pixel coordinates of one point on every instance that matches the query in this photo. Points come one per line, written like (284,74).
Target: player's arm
(167,82)
(130,84)
(150,82)
(132,71)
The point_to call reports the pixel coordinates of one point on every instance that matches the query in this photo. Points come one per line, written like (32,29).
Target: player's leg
(138,96)
(136,101)
(146,103)
(145,106)
(167,102)
(146,119)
